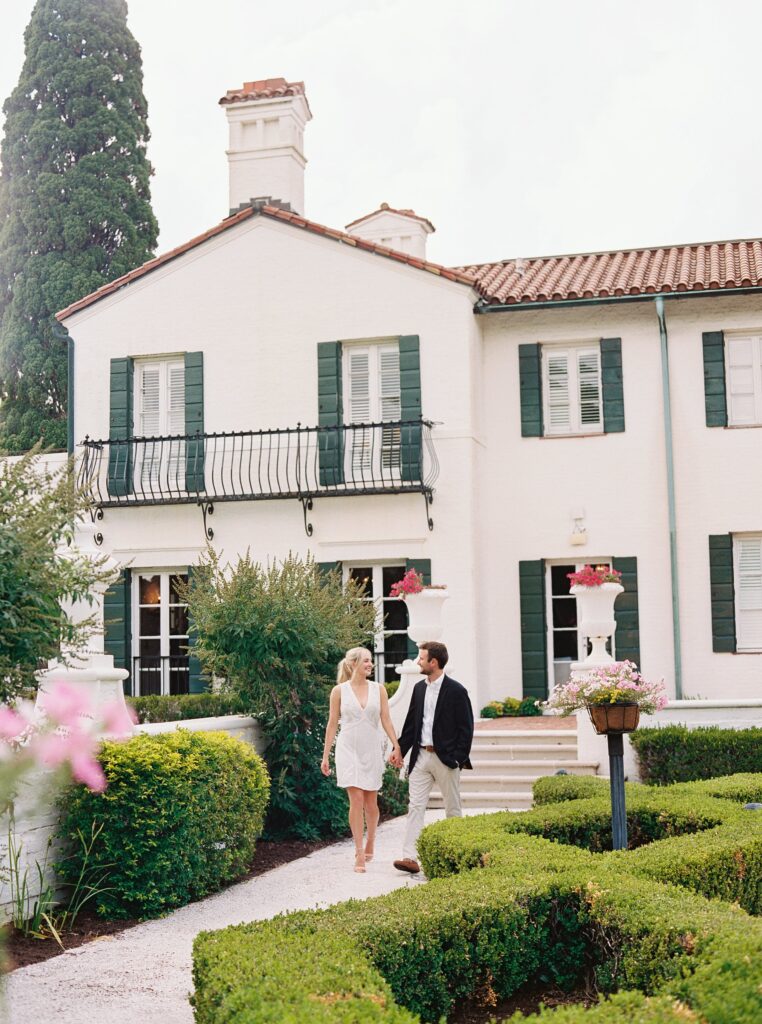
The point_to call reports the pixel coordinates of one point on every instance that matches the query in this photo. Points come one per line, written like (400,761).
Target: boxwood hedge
(180,818)
(511,900)
(675,753)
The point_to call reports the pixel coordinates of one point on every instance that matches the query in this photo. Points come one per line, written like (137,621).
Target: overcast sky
(518,128)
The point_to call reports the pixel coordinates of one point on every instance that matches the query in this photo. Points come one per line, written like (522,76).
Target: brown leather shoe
(406,864)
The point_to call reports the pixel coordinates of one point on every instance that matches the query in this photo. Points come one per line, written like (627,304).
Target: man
(438,730)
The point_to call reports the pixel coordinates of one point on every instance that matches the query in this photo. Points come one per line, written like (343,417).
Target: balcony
(304,463)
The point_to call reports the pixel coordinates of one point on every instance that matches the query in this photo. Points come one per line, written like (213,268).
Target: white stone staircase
(507,762)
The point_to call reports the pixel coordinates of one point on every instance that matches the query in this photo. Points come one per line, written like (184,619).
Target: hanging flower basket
(614,718)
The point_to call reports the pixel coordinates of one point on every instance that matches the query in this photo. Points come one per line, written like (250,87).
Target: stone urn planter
(614,719)
(595,607)
(425,613)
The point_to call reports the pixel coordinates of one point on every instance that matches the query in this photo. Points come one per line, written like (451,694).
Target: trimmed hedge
(182,707)
(181,817)
(511,707)
(553,789)
(538,909)
(678,754)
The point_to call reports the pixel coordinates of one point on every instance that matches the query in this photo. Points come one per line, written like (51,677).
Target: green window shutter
(722,593)
(194,421)
(411,451)
(197,683)
(534,638)
(330,414)
(422,566)
(117,614)
(627,636)
(120,428)
(611,379)
(530,383)
(714,379)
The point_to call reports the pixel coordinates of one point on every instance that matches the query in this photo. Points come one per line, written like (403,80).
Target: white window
(571,381)
(390,645)
(372,396)
(748,592)
(160,632)
(159,414)
(743,357)
(565,641)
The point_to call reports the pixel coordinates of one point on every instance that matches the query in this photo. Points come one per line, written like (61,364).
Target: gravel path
(145,973)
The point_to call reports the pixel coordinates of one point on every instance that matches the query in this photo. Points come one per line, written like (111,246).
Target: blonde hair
(348,662)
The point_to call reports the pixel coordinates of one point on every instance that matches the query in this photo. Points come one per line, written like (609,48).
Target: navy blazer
(453,729)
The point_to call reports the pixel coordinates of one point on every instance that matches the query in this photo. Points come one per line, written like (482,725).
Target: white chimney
(402,230)
(266,149)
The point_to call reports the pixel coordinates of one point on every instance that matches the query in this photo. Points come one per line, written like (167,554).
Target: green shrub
(538,911)
(181,816)
(393,797)
(528,708)
(553,789)
(392,687)
(511,707)
(185,706)
(495,709)
(276,635)
(675,753)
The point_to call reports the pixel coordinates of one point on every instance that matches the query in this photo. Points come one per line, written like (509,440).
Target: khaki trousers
(428,770)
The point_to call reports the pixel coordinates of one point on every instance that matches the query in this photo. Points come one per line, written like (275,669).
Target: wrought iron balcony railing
(297,462)
(160,674)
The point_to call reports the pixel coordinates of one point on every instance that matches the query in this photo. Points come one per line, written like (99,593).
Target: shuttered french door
(748,579)
(160,412)
(572,390)
(372,395)
(744,379)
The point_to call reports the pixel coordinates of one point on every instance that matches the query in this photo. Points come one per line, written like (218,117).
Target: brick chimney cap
(264,88)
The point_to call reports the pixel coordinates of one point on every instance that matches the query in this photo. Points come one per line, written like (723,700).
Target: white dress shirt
(429,707)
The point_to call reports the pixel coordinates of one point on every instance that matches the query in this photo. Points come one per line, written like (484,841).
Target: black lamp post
(613,721)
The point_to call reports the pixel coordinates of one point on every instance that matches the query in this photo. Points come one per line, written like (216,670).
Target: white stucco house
(277,385)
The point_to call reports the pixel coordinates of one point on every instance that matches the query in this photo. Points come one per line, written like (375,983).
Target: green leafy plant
(675,753)
(394,794)
(275,635)
(185,706)
(38,513)
(179,818)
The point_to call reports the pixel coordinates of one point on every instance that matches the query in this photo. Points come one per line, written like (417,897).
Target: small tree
(275,635)
(38,513)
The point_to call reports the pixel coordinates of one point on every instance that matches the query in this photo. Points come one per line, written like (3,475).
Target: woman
(359,705)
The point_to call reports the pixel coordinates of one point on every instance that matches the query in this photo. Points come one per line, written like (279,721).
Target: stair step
(497,766)
(529,751)
(500,800)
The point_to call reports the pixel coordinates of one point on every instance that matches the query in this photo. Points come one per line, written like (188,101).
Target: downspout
(667,409)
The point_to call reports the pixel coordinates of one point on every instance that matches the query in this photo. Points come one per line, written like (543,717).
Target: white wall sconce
(578,535)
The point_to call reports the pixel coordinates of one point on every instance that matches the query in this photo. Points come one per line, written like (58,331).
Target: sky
(518,128)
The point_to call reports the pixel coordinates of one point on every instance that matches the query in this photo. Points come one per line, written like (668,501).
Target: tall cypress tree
(75,209)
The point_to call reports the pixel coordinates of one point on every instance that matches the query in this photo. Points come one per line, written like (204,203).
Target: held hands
(395,758)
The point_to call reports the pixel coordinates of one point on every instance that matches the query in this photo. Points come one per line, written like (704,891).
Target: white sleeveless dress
(359,746)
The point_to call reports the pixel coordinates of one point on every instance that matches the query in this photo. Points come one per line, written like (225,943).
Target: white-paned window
(159,413)
(372,396)
(748,592)
(571,381)
(566,643)
(390,644)
(743,358)
(160,631)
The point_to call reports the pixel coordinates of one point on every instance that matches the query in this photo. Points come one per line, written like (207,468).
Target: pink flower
(11,723)
(117,719)
(86,769)
(64,704)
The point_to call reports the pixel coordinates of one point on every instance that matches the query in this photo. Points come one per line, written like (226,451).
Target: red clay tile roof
(678,268)
(385,208)
(265,88)
(276,214)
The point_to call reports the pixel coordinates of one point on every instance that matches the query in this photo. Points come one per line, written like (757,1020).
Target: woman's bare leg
(370,804)
(356,824)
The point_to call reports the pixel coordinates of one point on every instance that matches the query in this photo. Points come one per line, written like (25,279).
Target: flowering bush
(619,682)
(411,583)
(62,732)
(594,577)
